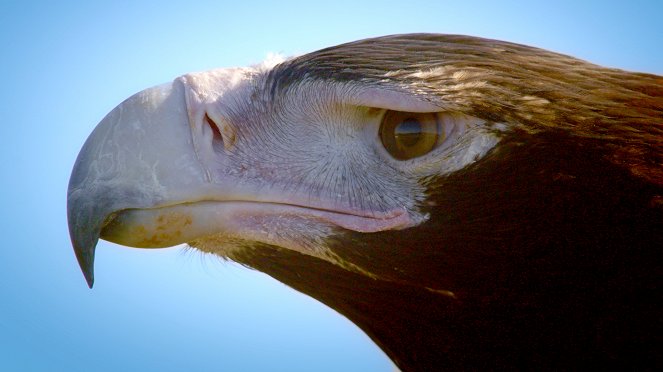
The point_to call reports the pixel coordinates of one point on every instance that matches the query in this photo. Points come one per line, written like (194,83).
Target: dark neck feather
(543,254)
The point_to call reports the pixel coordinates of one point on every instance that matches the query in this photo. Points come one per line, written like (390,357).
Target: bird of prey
(468,203)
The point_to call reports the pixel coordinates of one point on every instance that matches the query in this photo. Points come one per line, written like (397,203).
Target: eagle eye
(407,135)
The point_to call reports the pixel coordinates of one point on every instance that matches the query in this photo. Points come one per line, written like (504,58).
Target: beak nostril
(223,133)
(214,127)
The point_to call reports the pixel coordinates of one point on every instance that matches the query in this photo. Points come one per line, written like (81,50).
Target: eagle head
(468,203)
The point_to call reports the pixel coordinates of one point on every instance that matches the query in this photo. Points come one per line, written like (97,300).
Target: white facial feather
(315,144)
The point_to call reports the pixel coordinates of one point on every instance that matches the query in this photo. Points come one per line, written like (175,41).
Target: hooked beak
(151,175)
(123,165)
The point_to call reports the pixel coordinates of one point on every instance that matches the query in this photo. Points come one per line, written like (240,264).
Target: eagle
(468,203)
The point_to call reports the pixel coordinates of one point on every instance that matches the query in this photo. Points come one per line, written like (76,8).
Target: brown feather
(530,88)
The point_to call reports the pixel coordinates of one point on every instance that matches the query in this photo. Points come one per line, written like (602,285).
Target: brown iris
(408,135)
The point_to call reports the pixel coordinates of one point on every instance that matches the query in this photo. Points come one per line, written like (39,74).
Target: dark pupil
(408,132)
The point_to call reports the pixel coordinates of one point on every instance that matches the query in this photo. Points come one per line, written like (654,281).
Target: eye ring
(408,135)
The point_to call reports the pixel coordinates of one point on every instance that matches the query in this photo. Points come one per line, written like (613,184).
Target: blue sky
(66,64)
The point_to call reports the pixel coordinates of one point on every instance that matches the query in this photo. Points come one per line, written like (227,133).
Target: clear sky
(66,64)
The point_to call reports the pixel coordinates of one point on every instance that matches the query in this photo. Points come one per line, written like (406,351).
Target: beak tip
(90,281)
(89,277)
(85,259)
(88,272)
